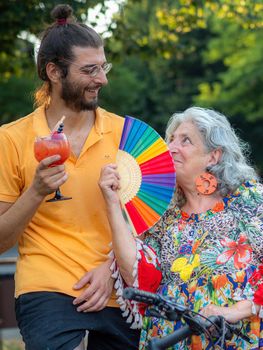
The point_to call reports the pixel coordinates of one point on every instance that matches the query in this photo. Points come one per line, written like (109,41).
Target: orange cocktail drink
(54,144)
(51,145)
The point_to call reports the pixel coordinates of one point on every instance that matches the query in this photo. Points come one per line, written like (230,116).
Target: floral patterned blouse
(207,258)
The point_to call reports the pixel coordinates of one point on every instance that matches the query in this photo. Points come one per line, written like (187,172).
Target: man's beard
(72,94)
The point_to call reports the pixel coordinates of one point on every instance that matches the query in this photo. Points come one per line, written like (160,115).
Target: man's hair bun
(62,11)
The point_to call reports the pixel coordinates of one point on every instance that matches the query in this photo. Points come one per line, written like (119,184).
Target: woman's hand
(232,314)
(123,242)
(109,183)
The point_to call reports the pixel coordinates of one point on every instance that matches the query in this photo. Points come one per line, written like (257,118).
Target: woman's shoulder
(248,195)
(251,190)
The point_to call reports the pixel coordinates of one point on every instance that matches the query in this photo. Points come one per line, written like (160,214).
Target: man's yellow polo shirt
(64,239)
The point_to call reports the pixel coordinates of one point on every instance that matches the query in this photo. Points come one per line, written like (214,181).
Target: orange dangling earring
(206,183)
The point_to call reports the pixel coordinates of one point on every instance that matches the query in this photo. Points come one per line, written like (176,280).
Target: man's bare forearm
(15,217)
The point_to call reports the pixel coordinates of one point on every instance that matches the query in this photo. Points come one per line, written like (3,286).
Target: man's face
(80,89)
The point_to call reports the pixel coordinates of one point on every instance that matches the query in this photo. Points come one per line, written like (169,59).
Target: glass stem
(58,194)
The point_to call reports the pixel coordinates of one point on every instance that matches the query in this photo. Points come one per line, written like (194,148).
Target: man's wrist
(38,198)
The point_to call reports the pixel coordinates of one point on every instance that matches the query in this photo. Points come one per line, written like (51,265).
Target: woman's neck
(198,203)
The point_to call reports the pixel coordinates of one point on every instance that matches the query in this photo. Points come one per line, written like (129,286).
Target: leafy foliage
(236,88)
(16,98)
(241,79)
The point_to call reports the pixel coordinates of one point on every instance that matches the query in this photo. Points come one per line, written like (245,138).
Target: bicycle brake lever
(154,312)
(234,328)
(168,315)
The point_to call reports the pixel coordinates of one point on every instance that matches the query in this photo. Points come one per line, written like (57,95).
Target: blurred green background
(167,55)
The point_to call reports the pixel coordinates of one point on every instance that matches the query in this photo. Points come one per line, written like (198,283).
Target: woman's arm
(234,313)
(124,245)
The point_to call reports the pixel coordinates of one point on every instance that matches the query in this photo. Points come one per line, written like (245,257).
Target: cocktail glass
(47,146)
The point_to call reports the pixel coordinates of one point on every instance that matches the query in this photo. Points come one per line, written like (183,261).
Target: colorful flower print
(185,249)
(241,252)
(185,267)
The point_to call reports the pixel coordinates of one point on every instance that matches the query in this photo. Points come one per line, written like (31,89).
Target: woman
(209,242)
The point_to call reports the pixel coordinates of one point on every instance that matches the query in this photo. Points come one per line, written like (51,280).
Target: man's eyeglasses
(92,70)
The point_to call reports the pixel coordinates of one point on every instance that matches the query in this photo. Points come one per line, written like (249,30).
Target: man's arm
(99,286)
(14,217)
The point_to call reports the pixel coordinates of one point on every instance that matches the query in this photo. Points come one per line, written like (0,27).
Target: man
(63,283)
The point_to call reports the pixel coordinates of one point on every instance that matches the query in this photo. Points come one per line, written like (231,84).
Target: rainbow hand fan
(147,174)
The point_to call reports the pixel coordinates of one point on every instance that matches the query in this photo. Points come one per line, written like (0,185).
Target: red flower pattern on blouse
(254,280)
(240,250)
(258,296)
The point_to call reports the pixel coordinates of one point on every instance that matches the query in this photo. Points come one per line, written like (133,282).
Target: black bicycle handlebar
(172,311)
(166,304)
(171,339)
(142,296)
(195,326)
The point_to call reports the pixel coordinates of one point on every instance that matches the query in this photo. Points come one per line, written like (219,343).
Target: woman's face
(189,153)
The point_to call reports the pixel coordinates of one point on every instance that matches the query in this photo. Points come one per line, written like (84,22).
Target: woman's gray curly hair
(233,168)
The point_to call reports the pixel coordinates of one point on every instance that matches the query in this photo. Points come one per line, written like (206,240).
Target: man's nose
(101,78)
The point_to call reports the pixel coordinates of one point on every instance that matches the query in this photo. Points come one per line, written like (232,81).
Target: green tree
(237,88)
(168,67)
(238,85)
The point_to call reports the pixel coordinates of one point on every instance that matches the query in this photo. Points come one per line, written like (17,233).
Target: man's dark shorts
(49,321)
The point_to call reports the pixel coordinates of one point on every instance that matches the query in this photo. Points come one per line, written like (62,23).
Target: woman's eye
(186,140)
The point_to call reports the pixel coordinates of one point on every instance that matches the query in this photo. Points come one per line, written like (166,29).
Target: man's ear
(53,72)
(215,157)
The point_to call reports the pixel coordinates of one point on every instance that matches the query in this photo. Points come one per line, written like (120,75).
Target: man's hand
(47,178)
(96,296)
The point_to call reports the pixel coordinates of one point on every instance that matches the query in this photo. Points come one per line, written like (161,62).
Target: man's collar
(103,122)
(40,122)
